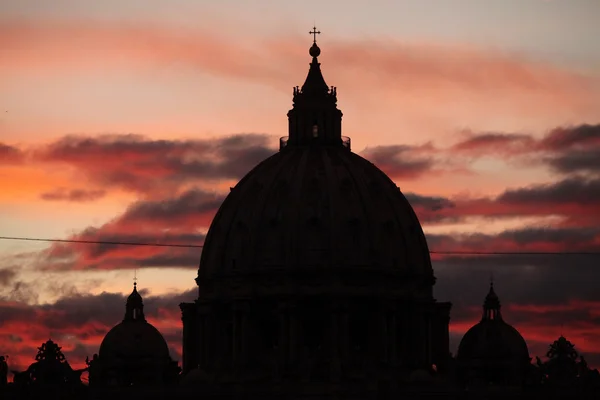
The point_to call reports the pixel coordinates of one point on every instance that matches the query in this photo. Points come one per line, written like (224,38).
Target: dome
(316,208)
(310,207)
(492,339)
(493,351)
(134,339)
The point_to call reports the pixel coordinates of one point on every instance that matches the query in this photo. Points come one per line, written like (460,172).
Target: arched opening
(314,324)
(315,131)
(268,326)
(358,326)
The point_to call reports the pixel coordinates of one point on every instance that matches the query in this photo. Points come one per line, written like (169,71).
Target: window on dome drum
(268,323)
(359,328)
(314,324)
(315,131)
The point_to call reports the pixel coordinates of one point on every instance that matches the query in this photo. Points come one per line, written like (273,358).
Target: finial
(314,49)
(135,278)
(492,280)
(315,32)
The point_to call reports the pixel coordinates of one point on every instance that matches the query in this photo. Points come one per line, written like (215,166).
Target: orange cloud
(452,82)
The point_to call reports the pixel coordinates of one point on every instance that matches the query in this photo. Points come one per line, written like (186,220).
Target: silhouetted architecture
(50,370)
(133,353)
(565,368)
(3,372)
(315,282)
(492,352)
(315,275)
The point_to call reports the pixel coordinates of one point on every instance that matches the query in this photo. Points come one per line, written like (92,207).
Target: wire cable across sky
(487,253)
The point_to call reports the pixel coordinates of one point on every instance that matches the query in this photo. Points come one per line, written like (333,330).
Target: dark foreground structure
(315,282)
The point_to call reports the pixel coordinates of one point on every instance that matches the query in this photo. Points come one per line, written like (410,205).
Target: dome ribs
(302,207)
(296,197)
(411,229)
(274,198)
(356,174)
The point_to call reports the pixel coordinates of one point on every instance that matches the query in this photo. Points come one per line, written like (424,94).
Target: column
(392,336)
(210,340)
(344,330)
(240,332)
(283,333)
(235,334)
(293,333)
(383,332)
(204,335)
(335,368)
(190,337)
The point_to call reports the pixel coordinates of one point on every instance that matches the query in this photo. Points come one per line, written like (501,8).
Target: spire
(134,309)
(314,118)
(491,305)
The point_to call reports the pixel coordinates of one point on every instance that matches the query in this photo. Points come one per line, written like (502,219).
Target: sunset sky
(117,120)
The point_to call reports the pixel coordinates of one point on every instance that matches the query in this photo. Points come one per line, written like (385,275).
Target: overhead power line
(100,242)
(487,253)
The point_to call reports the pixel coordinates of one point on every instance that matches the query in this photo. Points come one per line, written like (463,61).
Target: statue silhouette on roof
(49,369)
(3,372)
(565,368)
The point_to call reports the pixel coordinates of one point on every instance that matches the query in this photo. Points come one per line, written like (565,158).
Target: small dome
(134,337)
(493,351)
(492,339)
(131,339)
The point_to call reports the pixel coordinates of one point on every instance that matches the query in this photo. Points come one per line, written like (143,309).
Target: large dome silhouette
(310,207)
(313,269)
(314,209)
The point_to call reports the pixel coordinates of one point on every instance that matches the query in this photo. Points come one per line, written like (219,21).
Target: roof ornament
(314,51)
(314,32)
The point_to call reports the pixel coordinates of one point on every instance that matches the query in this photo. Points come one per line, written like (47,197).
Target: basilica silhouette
(315,282)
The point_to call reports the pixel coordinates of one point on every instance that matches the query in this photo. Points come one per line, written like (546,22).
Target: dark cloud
(74,195)
(183,206)
(431,203)
(402,161)
(565,149)
(10,154)
(563,138)
(492,142)
(526,278)
(179,220)
(429,208)
(575,190)
(6,276)
(576,200)
(576,161)
(90,256)
(139,164)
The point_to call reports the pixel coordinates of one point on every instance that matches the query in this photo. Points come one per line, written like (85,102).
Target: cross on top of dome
(315,32)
